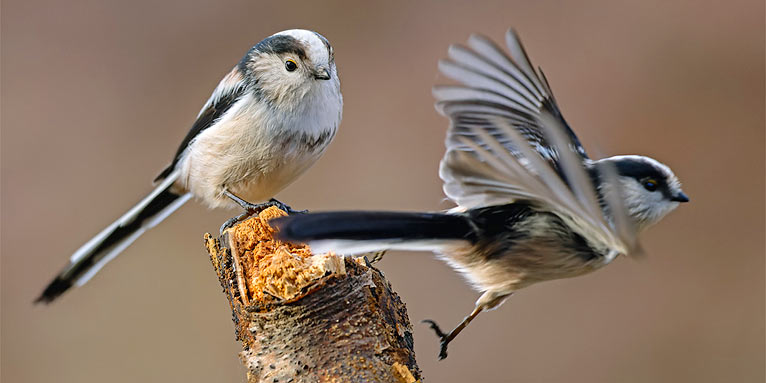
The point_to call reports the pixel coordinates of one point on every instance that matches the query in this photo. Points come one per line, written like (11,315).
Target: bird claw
(443,338)
(255,208)
(233,221)
(282,206)
(377,256)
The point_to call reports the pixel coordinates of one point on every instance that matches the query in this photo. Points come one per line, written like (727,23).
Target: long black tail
(357,232)
(102,248)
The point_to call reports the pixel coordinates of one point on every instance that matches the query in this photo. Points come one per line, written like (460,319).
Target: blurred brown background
(97,94)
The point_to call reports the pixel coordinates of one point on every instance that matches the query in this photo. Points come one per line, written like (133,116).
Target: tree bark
(303,317)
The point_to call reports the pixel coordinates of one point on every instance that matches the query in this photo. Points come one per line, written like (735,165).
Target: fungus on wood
(304,317)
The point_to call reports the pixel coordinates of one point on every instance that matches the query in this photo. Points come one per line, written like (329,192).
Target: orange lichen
(402,373)
(273,268)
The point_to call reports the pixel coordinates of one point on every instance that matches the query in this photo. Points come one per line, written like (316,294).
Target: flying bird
(531,205)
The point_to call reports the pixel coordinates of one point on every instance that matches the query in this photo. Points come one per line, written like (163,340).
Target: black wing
(224,96)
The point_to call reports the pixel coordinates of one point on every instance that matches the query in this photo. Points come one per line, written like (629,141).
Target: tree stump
(303,317)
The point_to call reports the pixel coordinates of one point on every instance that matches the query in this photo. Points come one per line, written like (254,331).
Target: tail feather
(360,232)
(107,244)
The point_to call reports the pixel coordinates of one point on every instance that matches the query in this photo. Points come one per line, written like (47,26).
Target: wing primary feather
(566,201)
(508,141)
(465,179)
(519,56)
(547,86)
(487,48)
(621,234)
(572,166)
(541,168)
(471,59)
(533,188)
(510,161)
(481,81)
(624,226)
(479,111)
(487,156)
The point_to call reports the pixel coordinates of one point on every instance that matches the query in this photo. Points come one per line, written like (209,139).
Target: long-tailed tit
(269,119)
(532,206)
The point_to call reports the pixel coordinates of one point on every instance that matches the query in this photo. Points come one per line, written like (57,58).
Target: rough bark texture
(310,318)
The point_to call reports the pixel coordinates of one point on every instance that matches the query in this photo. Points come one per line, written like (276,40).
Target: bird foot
(282,206)
(376,256)
(255,208)
(444,339)
(233,221)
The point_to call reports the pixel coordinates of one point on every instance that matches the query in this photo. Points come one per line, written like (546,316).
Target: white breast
(255,150)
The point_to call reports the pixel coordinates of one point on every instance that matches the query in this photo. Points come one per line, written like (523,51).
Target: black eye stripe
(660,185)
(642,170)
(282,44)
(638,170)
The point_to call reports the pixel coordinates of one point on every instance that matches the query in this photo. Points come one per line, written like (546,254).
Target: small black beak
(680,197)
(322,74)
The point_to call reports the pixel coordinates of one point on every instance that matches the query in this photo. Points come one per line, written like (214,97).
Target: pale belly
(255,150)
(260,186)
(253,168)
(526,262)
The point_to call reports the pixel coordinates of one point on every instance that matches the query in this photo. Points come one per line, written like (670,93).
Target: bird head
(649,188)
(290,65)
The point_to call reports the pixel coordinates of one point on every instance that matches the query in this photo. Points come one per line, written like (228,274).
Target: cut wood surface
(303,317)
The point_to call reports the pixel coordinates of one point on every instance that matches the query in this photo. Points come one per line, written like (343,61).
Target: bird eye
(650,184)
(290,65)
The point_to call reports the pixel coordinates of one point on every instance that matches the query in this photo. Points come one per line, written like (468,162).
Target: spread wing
(495,84)
(507,141)
(226,94)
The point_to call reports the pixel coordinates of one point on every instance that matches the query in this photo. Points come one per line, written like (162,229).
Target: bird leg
(488,301)
(446,338)
(253,208)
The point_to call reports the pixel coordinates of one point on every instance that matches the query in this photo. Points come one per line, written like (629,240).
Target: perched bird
(531,205)
(269,119)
